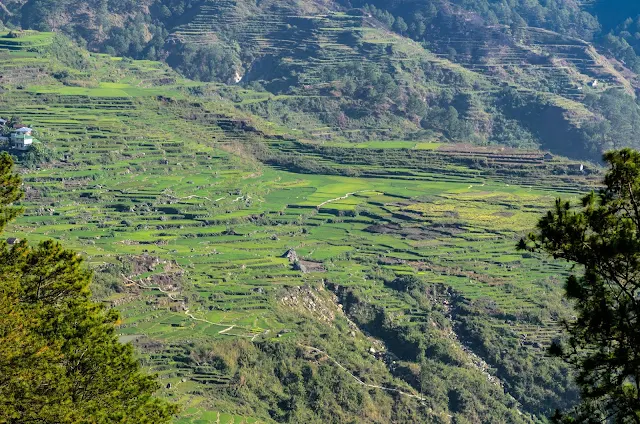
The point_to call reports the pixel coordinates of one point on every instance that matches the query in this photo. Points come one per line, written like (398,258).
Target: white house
(21,139)
(23,130)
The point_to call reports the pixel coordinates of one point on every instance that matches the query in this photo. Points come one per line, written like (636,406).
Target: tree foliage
(602,237)
(9,191)
(60,359)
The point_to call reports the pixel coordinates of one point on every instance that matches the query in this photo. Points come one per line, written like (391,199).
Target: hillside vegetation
(308,211)
(555,75)
(270,277)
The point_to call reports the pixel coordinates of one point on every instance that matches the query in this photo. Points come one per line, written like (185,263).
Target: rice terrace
(276,260)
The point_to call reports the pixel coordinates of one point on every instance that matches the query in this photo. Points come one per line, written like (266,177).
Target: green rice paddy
(135,174)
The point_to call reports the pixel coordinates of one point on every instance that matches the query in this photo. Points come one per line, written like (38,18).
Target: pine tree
(60,359)
(602,237)
(10,191)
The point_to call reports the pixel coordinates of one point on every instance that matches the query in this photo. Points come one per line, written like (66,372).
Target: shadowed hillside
(263,274)
(367,71)
(308,211)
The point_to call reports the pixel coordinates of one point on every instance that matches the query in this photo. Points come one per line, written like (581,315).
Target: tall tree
(602,237)
(60,359)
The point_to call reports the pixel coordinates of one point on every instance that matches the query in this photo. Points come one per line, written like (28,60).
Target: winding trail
(253,337)
(362,383)
(194,197)
(340,198)
(7,11)
(187,312)
(223,332)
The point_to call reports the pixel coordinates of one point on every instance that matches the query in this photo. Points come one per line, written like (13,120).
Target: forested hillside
(555,74)
(308,211)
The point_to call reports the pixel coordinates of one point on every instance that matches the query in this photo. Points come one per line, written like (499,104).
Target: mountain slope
(457,71)
(269,276)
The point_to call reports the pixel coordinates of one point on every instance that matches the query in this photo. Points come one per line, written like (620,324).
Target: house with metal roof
(21,139)
(23,130)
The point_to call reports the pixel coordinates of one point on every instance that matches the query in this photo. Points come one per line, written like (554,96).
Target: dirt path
(252,337)
(340,198)
(194,197)
(186,311)
(7,11)
(373,386)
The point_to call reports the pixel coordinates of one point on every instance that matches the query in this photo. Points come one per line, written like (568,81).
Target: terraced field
(319,38)
(142,171)
(306,46)
(568,66)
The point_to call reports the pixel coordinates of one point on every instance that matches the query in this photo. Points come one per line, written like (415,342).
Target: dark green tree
(602,237)
(60,359)
(400,26)
(10,191)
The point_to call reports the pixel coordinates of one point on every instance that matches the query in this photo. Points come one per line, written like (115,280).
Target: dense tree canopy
(60,359)
(602,237)
(210,43)
(9,191)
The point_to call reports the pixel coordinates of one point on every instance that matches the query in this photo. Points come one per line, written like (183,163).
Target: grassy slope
(547,68)
(142,168)
(290,46)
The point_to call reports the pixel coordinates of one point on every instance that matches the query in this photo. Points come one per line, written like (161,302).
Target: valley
(249,260)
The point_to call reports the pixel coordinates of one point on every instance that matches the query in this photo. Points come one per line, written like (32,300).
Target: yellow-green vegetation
(390,144)
(527,74)
(187,209)
(322,229)
(25,40)
(61,360)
